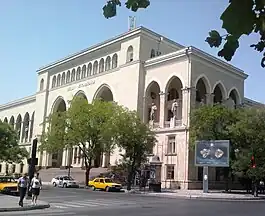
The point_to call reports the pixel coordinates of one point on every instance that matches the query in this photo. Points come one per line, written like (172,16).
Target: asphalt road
(84,202)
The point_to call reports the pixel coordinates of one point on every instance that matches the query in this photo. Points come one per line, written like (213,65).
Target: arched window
(107,63)
(53,81)
(73,75)
(78,73)
(83,75)
(114,61)
(153,53)
(95,67)
(101,65)
(129,54)
(63,79)
(89,69)
(41,84)
(58,82)
(68,77)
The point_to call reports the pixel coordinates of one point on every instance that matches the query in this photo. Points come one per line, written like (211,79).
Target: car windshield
(7,180)
(108,181)
(68,178)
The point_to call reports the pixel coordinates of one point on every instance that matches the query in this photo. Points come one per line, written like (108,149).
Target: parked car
(106,184)
(64,181)
(8,185)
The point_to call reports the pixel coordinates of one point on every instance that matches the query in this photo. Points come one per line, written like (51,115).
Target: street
(96,203)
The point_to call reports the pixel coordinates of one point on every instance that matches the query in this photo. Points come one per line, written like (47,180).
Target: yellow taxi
(106,184)
(8,185)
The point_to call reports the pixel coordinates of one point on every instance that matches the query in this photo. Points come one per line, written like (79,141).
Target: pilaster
(209,98)
(162,109)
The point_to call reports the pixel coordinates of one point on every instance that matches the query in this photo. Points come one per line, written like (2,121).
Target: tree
(136,139)
(241,17)
(213,123)
(249,136)
(87,126)
(10,149)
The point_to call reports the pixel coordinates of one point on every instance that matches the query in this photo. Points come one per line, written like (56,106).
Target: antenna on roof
(131,23)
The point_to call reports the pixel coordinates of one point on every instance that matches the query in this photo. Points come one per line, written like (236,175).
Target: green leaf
(239,17)
(229,48)
(134,5)
(110,9)
(214,39)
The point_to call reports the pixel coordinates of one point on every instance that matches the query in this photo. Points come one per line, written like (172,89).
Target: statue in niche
(230,103)
(153,111)
(202,102)
(174,108)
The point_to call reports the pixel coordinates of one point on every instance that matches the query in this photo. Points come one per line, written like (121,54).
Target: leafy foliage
(10,150)
(137,141)
(110,9)
(241,17)
(244,128)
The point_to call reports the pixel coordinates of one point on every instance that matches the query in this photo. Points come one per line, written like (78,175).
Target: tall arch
(83,75)
(78,73)
(95,67)
(41,84)
(73,75)
(104,92)
(68,76)
(63,79)
(129,57)
(219,93)
(58,82)
(173,92)
(107,63)
(152,100)
(202,89)
(25,128)
(58,106)
(31,125)
(5,120)
(18,125)
(234,98)
(101,65)
(54,81)
(12,121)
(81,94)
(114,61)
(89,69)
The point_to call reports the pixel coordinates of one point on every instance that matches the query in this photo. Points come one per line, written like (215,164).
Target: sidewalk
(198,194)
(10,203)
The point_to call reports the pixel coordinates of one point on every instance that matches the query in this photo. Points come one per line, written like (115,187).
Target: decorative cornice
(18,102)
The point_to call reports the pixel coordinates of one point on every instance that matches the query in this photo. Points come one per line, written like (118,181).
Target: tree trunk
(255,191)
(88,168)
(130,175)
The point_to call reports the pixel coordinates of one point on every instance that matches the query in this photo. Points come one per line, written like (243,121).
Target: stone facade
(137,69)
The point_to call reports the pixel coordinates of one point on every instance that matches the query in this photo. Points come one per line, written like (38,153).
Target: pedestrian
(22,188)
(35,187)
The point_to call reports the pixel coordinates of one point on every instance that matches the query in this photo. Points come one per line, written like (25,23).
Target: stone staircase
(77,173)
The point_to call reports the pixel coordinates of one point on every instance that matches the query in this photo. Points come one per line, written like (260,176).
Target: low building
(143,71)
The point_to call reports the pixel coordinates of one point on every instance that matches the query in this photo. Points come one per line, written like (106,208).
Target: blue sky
(35,33)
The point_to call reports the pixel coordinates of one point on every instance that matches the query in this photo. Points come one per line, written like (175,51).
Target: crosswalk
(92,203)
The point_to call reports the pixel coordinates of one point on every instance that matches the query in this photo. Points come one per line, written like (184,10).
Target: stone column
(162,109)
(29,126)
(103,160)
(209,98)
(73,159)
(188,102)
(145,119)
(64,159)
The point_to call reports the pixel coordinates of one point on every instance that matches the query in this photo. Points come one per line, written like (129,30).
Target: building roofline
(18,102)
(106,43)
(253,102)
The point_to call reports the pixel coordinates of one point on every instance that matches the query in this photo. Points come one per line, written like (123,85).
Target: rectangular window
(170,171)
(0,168)
(171,146)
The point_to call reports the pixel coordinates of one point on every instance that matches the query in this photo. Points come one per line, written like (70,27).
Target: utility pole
(32,162)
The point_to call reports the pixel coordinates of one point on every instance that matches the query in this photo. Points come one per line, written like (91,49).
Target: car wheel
(54,184)
(107,189)
(93,188)
(65,185)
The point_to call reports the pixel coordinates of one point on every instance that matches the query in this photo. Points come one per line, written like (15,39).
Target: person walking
(22,188)
(35,187)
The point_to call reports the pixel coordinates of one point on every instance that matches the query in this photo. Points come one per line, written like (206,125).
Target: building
(140,70)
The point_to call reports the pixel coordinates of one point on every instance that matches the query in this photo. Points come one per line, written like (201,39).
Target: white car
(64,181)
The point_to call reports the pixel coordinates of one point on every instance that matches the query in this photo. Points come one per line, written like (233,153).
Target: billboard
(212,153)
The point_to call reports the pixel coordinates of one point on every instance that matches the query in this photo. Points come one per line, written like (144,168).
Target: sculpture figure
(174,108)
(153,111)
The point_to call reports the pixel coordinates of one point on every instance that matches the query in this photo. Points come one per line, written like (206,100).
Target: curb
(26,208)
(194,197)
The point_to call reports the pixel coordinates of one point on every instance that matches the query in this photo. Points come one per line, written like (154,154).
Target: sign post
(211,153)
